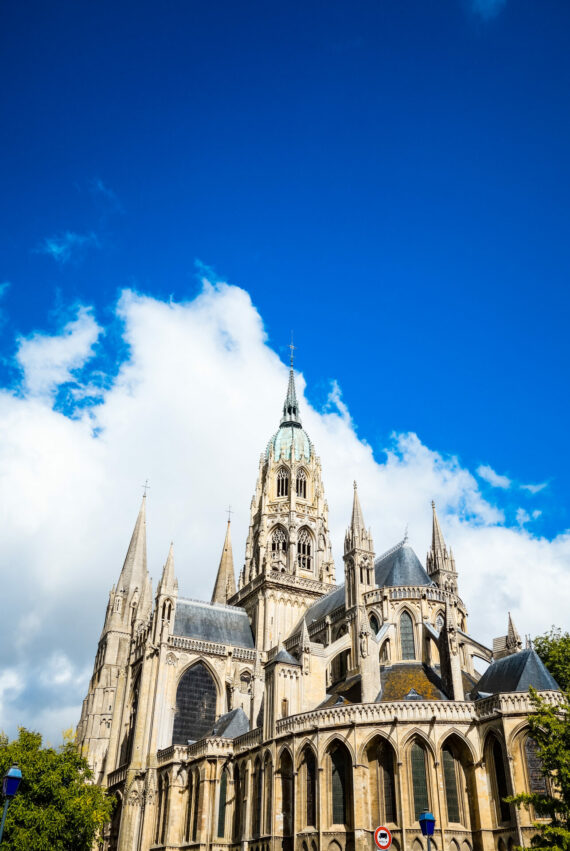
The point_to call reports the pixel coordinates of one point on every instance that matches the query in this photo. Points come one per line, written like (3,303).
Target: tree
(554,649)
(549,726)
(57,807)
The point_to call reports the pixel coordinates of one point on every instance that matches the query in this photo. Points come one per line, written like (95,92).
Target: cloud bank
(191,407)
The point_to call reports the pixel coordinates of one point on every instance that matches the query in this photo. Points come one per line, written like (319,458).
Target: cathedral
(292,713)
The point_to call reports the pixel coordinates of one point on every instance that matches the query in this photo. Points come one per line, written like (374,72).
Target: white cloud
(4,287)
(49,361)
(68,245)
(534,488)
(488,475)
(191,409)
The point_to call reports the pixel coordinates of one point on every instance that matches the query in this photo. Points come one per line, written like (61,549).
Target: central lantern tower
(288,556)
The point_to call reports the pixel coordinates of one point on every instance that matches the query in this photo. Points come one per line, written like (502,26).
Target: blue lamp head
(427,823)
(11,782)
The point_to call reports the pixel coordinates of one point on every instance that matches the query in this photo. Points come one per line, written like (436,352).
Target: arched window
(244,682)
(278,544)
(282,482)
(238,805)
(536,779)
(499,782)
(451,775)
(190,794)
(286,778)
(196,808)
(257,792)
(309,781)
(268,780)
(419,779)
(222,804)
(374,625)
(407,636)
(302,484)
(195,705)
(439,622)
(304,550)
(382,790)
(339,784)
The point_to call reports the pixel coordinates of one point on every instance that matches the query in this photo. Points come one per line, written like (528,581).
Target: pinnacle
(168,578)
(437,541)
(291,405)
(225,586)
(134,570)
(357,521)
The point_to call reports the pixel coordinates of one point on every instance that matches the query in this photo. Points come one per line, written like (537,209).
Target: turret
(225,586)
(440,563)
(166,594)
(358,557)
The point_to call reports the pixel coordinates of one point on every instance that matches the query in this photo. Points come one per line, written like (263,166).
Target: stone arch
(115,825)
(497,776)
(302,482)
(379,756)
(334,845)
(416,733)
(338,666)
(282,482)
(376,734)
(305,549)
(417,845)
(454,845)
(338,783)
(418,752)
(501,845)
(466,846)
(407,633)
(286,798)
(374,620)
(197,694)
(303,746)
(307,772)
(459,783)
(465,743)
(278,546)
(338,737)
(385,652)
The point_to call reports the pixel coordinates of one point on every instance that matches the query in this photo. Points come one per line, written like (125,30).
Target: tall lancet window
(282,482)
(302,484)
(278,545)
(407,636)
(304,554)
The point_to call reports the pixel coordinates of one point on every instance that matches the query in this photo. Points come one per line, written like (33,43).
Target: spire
(514,642)
(134,570)
(168,581)
(291,405)
(437,542)
(225,586)
(305,640)
(357,520)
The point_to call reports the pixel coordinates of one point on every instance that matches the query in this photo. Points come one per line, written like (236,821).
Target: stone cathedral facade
(293,713)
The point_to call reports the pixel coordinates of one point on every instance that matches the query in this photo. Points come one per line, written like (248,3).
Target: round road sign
(382,838)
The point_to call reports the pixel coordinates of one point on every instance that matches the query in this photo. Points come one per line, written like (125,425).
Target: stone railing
(196,644)
(211,746)
(248,740)
(244,655)
(513,703)
(378,713)
(119,775)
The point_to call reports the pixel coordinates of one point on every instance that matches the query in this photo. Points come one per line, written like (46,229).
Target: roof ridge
(393,549)
(212,605)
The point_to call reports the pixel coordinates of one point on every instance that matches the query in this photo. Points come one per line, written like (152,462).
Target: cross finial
(230,512)
(146,487)
(406,534)
(292,349)
(354,484)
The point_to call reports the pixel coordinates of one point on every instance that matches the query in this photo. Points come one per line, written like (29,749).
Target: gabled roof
(213,622)
(286,658)
(516,673)
(230,725)
(325,605)
(400,566)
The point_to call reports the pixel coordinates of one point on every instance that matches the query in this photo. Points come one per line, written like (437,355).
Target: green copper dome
(291,438)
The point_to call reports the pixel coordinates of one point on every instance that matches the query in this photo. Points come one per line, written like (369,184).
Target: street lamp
(10,785)
(427,824)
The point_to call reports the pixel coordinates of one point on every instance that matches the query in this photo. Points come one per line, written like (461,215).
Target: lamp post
(427,824)
(10,786)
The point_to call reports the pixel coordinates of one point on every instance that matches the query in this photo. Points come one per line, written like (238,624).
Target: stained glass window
(407,636)
(450,779)
(310,788)
(338,785)
(385,757)
(419,779)
(195,705)
(536,779)
(222,807)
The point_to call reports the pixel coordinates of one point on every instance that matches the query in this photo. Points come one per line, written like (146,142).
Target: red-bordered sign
(382,838)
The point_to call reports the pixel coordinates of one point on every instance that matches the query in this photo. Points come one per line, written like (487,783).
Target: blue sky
(391,180)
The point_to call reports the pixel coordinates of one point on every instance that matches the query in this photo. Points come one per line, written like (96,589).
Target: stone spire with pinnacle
(225,586)
(135,568)
(358,556)
(440,562)
(291,406)
(168,581)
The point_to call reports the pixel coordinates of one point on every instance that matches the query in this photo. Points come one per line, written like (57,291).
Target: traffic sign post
(382,838)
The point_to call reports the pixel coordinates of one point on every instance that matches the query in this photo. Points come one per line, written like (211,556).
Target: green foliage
(57,808)
(554,649)
(550,728)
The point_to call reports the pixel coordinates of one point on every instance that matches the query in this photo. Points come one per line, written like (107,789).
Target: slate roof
(213,622)
(400,566)
(230,725)
(284,656)
(516,673)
